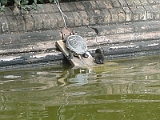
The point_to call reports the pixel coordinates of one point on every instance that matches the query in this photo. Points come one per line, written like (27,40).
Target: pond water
(126,89)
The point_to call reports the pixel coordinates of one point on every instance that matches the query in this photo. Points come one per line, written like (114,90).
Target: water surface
(127,89)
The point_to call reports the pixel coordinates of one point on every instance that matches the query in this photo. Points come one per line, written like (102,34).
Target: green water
(118,90)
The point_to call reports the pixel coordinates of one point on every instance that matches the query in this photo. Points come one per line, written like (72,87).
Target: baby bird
(99,57)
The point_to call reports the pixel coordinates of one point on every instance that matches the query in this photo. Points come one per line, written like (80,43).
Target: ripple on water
(120,89)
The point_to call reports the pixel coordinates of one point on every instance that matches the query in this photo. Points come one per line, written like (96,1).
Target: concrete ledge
(126,28)
(108,34)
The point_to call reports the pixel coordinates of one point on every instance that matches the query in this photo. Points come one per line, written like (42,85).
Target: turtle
(76,45)
(99,57)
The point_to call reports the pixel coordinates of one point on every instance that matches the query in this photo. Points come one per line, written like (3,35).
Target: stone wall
(126,28)
(79,14)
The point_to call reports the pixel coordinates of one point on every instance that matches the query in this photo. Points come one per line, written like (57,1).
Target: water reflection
(123,89)
(74,77)
(71,78)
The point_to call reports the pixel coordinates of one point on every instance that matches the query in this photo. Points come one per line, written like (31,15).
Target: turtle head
(66,32)
(74,32)
(98,51)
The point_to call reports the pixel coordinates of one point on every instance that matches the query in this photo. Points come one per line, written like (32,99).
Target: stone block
(91,16)
(142,12)
(157,1)
(130,2)
(94,4)
(139,13)
(0,28)
(144,2)
(4,24)
(32,11)
(137,3)
(72,6)
(151,1)
(114,15)
(122,3)
(84,18)
(135,17)
(128,14)
(53,21)
(55,8)
(80,6)
(2,14)
(26,12)
(40,10)
(115,3)
(12,22)
(8,11)
(60,21)
(87,5)
(46,21)
(37,21)
(21,23)
(65,7)
(70,19)
(156,9)
(99,16)
(29,22)
(107,16)
(93,20)
(101,4)
(77,19)
(121,15)
(108,4)
(48,8)
(149,12)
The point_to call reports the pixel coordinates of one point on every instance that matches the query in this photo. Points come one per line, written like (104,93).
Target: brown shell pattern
(76,44)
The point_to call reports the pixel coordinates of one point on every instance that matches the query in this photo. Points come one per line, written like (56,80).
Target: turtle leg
(70,56)
(81,59)
(85,55)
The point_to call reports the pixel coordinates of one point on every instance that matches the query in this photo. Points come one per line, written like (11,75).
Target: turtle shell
(76,44)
